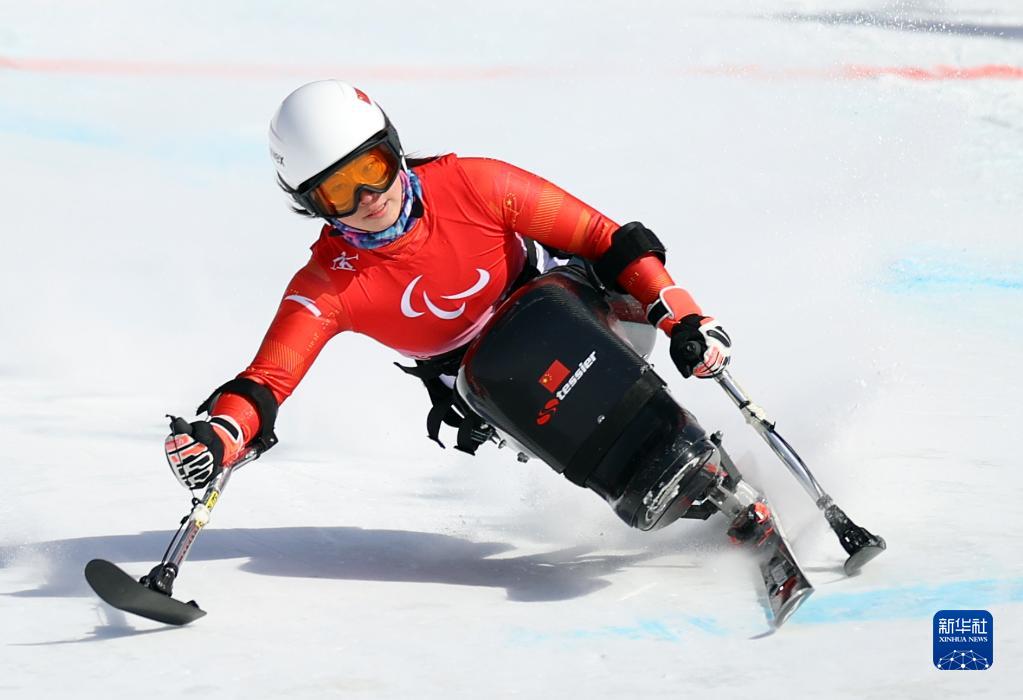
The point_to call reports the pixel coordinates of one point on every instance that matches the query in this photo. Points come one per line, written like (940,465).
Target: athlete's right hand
(699,346)
(196,451)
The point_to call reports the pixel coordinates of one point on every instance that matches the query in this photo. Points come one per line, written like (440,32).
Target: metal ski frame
(161,577)
(860,544)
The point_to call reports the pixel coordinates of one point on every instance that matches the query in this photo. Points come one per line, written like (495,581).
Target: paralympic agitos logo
(553,378)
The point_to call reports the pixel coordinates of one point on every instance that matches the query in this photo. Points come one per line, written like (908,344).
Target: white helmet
(318,125)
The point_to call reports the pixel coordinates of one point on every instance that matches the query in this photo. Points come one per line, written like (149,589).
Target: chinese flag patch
(552,378)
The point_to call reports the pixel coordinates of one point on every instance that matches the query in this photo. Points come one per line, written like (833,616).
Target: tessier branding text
(590,360)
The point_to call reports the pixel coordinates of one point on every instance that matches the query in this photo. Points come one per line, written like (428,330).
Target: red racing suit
(433,289)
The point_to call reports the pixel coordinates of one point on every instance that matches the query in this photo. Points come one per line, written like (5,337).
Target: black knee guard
(628,244)
(261,397)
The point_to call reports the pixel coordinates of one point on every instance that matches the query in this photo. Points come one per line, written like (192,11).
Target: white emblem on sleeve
(306,302)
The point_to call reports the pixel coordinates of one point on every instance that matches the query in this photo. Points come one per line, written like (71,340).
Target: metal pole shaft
(200,514)
(756,417)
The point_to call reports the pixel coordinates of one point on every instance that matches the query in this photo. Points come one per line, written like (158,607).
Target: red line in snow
(862,72)
(75,66)
(227,70)
(993,71)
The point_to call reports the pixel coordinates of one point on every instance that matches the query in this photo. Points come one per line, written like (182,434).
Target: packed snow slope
(839,184)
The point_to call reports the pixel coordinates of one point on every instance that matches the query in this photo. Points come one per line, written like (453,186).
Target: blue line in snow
(920,601)
(670,627)
(905,602)
(204,147)
(927,274)
(50,130)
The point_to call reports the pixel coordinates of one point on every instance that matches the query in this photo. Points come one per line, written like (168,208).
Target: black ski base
(123,592)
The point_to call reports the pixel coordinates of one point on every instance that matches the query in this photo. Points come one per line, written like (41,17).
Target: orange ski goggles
(335,192)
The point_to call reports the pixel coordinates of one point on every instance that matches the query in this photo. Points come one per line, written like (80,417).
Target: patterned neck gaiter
(410,191)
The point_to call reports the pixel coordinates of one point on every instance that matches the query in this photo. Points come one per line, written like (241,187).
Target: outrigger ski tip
(856,561)
(120,590)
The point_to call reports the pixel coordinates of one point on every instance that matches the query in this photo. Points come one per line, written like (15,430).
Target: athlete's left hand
(198,451)
(700,346)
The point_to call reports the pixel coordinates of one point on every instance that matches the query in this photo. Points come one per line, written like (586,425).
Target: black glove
(195,451)
(699,346)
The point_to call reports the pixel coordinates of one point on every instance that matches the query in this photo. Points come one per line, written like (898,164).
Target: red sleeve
(538,209)
(310,314)
(534,207)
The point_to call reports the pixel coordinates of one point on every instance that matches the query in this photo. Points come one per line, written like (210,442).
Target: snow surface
(858,236)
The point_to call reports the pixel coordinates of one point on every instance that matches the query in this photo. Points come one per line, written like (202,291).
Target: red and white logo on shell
(556,380)
(547,412)
(362,96)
